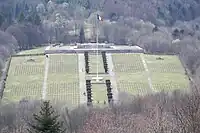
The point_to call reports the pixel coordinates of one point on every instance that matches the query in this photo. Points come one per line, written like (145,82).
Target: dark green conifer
(46,121)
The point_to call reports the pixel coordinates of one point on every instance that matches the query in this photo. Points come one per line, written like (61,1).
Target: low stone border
(93,51)
(4,77)
(21,55)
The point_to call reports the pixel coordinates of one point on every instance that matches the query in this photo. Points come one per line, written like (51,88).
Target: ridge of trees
(156,113)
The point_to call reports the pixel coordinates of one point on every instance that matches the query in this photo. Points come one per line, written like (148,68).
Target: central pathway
(82,86)
(147,70)
(112,76)
(46,69)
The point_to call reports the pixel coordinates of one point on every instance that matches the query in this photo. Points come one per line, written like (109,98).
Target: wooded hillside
(153,25)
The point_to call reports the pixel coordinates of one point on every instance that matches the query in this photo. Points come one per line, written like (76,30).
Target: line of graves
(109,91)
(87,68)
(105,64)
(89,92)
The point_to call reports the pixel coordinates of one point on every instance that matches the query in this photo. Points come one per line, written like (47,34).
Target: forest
(158,26)
(166,27)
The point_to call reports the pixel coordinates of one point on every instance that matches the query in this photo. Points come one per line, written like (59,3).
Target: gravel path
(82,86)
(147,70)
(112,76)
(46,69)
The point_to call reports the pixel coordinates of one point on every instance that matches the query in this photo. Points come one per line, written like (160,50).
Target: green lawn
(99,94)
(130,74)
(93,63)
(64,91)
(63,63)
(134,83)
(169,81)
(63,80)
(166,74)
(168,64)
(25,78)
(129,63)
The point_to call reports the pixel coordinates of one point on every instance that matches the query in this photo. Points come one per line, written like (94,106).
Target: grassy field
(93,63)
(130,74)
(99,93)
(132,77)
(25,78)
(167,74)
(63,80)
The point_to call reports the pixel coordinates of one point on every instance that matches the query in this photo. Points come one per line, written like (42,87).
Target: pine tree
(46,121)
(21,17)
(37,20)
(1,19)
(82,35)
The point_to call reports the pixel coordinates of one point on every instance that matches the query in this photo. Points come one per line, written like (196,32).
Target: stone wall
(4,77)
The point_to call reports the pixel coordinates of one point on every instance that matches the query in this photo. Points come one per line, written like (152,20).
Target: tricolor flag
(99,17)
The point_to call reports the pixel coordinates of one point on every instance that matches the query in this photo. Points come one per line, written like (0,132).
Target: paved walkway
(112,76)
(46,69)
(82,86)
(147,70)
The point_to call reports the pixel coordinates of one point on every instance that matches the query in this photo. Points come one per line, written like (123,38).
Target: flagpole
(97,45)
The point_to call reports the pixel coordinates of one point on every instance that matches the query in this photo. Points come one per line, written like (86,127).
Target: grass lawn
(33,51)
(168,64)
(99,93)
(63,80)
(93,63)
(134,83)
(166,74)
(25,78)
(63,63)
(130,74)
(64,91)
(169,81)
(129,63)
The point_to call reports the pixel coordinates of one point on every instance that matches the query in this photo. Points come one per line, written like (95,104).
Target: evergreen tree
(37,20)
(46,121)
(46,1)
(29,19)
(21,17)
(1,19)
(82,35)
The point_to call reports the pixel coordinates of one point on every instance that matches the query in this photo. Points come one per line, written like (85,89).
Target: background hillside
(158,26)
(153,25)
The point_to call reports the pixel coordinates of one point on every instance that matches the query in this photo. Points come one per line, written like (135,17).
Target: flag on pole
(99,17)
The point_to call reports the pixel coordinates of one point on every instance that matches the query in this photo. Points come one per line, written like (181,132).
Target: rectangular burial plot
(64,92)
(128,62)
(93,63)
(25,78)
(99,94)
(169,82)
(164,63)
(62,63)
(135,84)
(63,81)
